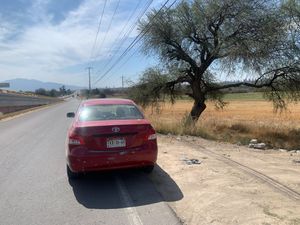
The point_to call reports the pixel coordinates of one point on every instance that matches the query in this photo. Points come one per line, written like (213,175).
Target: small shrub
(294,134)
(220,128)
(204,134)
(275,135)
(187,121)
(241,128)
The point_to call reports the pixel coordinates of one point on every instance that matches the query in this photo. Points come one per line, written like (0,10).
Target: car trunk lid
(114,135)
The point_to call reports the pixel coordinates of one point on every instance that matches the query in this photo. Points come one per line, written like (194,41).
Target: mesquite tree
(197,39)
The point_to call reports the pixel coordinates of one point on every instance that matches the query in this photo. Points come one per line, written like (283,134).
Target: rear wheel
(71,174)
(148,169)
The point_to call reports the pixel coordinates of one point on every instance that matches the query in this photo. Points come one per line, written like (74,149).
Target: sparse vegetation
(239,122)
(250,96)
(53,92)
(182,128)
(103,93)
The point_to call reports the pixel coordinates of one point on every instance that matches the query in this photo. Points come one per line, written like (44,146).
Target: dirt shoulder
(217,191)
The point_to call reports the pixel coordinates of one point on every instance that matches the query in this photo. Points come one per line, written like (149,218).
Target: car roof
(107,101)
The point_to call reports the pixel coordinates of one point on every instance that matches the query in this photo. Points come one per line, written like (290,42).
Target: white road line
(132,214)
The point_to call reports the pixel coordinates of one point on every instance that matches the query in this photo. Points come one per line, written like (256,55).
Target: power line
(135,41)
(121,43)
(121,32)
(110,23)
(125,36)
(98,30)
(136,50)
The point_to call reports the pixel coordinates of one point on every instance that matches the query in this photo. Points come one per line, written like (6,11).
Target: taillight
(152,137)
(75,141)
(75,138)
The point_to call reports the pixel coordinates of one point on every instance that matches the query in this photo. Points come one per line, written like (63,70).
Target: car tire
(71,174)
(148,169)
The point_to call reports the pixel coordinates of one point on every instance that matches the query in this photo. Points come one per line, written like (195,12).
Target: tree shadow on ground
(103,190)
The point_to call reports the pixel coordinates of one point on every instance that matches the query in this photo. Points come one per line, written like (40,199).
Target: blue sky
(52,40)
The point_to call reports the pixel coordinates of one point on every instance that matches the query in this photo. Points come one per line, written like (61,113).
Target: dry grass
(239,122)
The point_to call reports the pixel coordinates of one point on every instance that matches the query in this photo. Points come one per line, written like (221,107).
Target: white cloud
(38,11)
(44,49)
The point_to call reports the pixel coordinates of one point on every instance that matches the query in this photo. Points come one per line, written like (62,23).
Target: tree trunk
(198,108)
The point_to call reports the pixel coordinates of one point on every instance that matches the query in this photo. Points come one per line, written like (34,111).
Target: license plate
(115,143)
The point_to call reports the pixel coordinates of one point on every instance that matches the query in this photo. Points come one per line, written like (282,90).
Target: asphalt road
(34,188)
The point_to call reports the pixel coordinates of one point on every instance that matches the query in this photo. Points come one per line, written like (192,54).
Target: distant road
(35,190)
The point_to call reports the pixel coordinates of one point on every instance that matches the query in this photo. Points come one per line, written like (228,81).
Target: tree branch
(284,72)
(180,53)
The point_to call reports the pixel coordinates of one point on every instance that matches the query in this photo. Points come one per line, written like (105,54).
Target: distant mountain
(31,85)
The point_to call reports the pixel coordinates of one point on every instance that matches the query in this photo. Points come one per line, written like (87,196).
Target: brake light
(75,138)
(150,135)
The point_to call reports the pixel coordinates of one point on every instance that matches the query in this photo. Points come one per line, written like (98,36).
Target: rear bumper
(85,160)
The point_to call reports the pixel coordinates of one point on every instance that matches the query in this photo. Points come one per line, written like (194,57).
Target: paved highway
(34,188)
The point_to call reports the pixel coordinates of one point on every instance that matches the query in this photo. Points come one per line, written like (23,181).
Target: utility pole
(89,69)
(122,82)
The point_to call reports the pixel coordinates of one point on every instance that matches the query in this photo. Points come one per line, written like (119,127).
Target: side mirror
(70,115)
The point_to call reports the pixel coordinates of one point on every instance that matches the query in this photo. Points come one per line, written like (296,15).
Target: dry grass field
(246,116)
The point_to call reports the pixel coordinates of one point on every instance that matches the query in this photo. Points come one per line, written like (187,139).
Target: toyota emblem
(115,129)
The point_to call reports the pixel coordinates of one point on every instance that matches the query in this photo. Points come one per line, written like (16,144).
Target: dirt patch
(215,192)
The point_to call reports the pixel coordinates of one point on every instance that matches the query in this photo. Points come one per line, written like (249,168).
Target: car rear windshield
(109,112)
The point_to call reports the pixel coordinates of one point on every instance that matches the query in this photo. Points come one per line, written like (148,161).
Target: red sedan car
(109,134)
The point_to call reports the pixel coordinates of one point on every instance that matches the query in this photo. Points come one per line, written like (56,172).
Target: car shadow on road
(103,190)
(165,185)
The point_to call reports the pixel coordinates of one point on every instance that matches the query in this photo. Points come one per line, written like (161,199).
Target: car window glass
(109,112)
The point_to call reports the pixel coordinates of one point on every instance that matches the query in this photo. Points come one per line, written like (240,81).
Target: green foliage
(53,92)
(108,91)
(41,91)
(261,37)
(99,93)
(148,91)
(252,96)
(63,90)
(195,31)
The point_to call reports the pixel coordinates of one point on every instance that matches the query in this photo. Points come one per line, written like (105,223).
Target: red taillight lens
(151,135)
(75,138)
